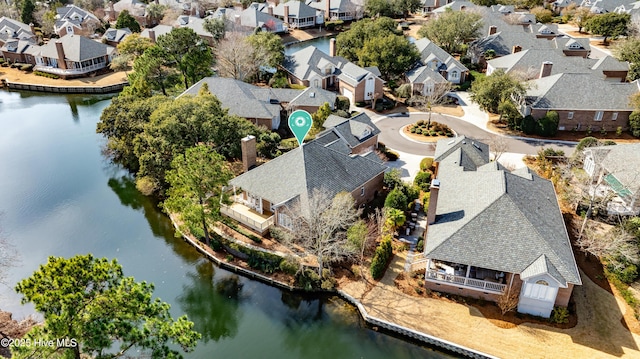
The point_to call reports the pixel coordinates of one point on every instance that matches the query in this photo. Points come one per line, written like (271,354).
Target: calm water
(322,43)
(59,196)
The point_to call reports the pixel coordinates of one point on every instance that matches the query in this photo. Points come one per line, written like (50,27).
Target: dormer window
(69,30)
(575,45)
(328,70)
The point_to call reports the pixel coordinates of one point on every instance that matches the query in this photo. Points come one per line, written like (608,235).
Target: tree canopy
(125,20)
(491,90)
(452,29)
(190,54)
(609,25)
(392,8)
(378,43)
(195,181)
(89,303)
(216,27)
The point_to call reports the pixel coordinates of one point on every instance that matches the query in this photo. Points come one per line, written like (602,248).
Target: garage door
(348,94)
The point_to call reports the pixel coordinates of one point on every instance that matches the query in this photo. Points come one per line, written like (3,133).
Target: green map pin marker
(300,122)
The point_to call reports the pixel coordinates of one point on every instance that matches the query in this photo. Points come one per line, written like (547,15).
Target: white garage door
(348,94)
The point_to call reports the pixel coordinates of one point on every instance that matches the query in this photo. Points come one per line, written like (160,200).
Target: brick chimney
(516,48)
(433,201)
(62,63)
(327,10)
(286,14)
(248,146)
(545,70)
(493,30)
(270,10)
(332,47)
(152,35)
(112,12)
(32,28)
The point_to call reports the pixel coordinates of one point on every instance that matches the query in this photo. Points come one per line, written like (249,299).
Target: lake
(60,196)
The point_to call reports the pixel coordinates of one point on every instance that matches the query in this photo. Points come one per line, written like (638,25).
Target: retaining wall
(66,89)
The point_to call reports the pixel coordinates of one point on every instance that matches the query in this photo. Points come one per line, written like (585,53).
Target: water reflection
(212,304)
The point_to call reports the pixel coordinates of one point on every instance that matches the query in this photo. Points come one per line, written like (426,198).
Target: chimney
(112,12)
(270,10)
(433,201)
(248,145)
(327,10)
(237,20)
(33,29)
(436,166)
(545,70)
(152,35)
(516,48)
(332,47)
(492,30)
(62,63)
(286,14)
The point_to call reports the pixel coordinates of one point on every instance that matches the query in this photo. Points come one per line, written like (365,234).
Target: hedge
(384,252)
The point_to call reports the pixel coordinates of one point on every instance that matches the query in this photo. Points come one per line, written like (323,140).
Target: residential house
(615,174)
(113,37)
(599,105)
(358,132)
(438,60)
(253,17)
(15,50)
(504,40)
(154,33)
(71,20)
(296,14)
(429,5)
(15,30)
(528,63)
(197,25)
(491,232)
(345,10)
(611,69)
(424,80)
(261,105)
(456,6)
(136,8)
(313,68)
(262,194)
(72,56)
(572,47)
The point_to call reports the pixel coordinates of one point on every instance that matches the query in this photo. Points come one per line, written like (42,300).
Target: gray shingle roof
(610,63)
(76,48)
(352,130)
(312,96)
(422,74)
(623,161)
(495,219)
(159,30)
(559,92)
(242,99)
(13,29)
(335,5)
(297,9)
(508,36)
(135,7)
(457,6)
(194,23)
(530,61)
(430,51)
(116,35)
(73,15)
(315,165)
(18,46)
(540,266)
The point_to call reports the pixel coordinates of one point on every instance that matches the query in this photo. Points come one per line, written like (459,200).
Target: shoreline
(17,80)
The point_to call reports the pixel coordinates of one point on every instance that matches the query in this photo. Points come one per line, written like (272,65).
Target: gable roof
(254,17)
(194,23)
(353,131)
(314,165)
(135,7)
(489,217)
(13,29)
(74,15)
(18,46)
(313,97)
(76,48)
(346,6)
(530,61)
(423,74)
(610,63)
(116,35)
(502,42)
(297,9)
(569,43)
(310,61)
(159,30)
(457,6)
(558,92)
(429,51)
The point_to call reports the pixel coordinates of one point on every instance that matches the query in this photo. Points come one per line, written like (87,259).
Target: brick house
(71,19)
(491,231)
(261,194)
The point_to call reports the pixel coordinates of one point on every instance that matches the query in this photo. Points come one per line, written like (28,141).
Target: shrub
(418,131)
(289,266)
(412,193)
(392,155)
(548,125)
(308,279)
(528,125)
(342,103)
(420,122)
(413,130)
(559,315)
(634,123)
(619,131)
(45,74)
(396,199)
(361,104)
(426,163)
(423,180)
(404,91)
(587,142)
(288,144)
(425,133)
(26,67)
(297,87)
(333,25)
(425,200)
(420,246)
(342,113)
(384,252)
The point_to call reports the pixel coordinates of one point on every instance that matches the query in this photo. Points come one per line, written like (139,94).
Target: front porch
(466,276)
(249,217)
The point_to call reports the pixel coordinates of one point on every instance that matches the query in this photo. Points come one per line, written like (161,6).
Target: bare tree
(508,300)
(618,245)
(236,57)
(498,145)
(434,97)
(320,223)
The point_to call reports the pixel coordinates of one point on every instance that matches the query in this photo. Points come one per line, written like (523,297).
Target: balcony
(248,217)
(68,72)
(461,281)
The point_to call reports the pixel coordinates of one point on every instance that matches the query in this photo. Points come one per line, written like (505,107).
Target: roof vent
(476,146)
(312,94)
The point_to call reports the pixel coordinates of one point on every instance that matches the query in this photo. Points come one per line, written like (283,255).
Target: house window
(69,30)
(614,116)
(598,116)
(569,115)
(361,191)
(455,75)
(285,221)
(540,291)
(316,83)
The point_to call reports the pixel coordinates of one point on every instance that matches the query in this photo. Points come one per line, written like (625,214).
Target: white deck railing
(59,71)
(261,227)
(471,283)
